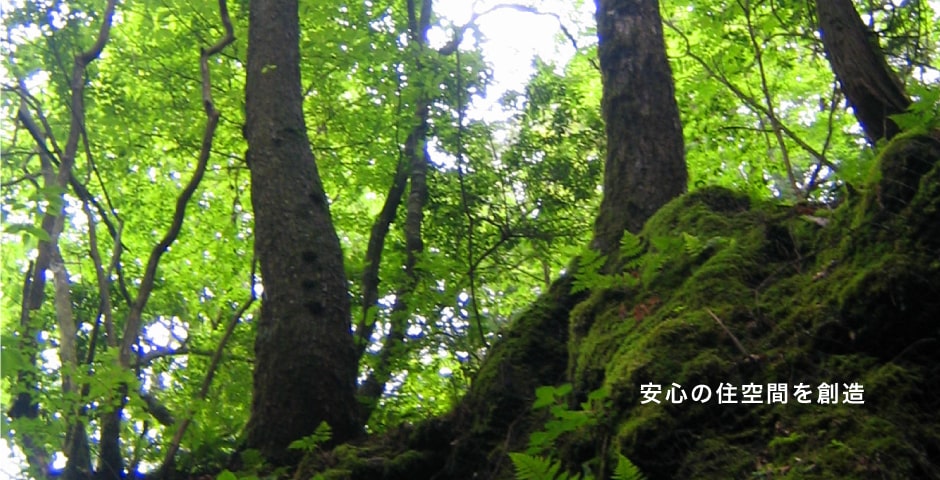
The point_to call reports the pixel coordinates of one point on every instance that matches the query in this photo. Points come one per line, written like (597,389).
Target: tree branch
(133,325)
(749,101)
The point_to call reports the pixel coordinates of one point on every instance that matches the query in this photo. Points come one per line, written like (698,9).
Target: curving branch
(370,276)
(452,46)
(49,256)
(133,326)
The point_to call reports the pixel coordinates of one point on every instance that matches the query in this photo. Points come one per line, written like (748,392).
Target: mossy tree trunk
(869,84)
(305,363)
(645,165)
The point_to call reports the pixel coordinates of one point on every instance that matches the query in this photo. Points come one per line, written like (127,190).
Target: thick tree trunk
(645,166)
(869,84)
(305,363)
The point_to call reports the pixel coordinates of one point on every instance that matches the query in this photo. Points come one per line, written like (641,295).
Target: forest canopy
(200,209)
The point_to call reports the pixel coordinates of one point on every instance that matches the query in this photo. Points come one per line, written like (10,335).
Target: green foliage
(530,467)
(312,442)
(511,200)
(641,261)
(588,274)
(562,420)
(627,470)
(924,114)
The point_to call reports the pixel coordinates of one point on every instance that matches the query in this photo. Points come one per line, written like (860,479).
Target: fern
(530,467)
(626,470)
(312,442)
(587,276)
(563,420)
(693,245)
(630,246)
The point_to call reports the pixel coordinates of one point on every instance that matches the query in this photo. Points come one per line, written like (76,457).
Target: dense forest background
(179,277)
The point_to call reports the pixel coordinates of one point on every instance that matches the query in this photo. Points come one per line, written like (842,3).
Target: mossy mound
(729,291)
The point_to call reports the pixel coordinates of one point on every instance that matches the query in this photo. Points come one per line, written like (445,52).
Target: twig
(734,339)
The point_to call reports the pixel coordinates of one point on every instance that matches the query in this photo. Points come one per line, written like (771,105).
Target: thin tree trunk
(869,84)
(305,362)
(645,165)
(370,275)
(417,156)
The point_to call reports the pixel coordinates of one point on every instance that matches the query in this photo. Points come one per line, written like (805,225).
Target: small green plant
(641,262)
(627,470)
(563,419)
(589,274)
(530,467)
(312,442)
(534,465)
(924,114)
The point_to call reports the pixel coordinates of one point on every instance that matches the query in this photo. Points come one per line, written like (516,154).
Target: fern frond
(627,470)
(530,467)
(630,246)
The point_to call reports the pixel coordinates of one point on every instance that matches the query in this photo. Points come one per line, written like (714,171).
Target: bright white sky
(511,39)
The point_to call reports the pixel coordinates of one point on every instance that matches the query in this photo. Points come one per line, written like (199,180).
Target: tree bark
(869,84)
(645,165)
(305,363)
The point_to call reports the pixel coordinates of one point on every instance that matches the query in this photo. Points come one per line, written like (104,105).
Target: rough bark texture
(869,84)
(645,166)
(305,364)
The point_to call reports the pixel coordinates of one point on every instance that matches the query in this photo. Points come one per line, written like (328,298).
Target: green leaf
(28,229)
(226,475)
(626,470)
(630,245)
(544,396)
(11,360)
(529,467)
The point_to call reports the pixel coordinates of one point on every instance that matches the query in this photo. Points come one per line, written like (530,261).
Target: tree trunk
(305,364)
(645,166)
(869,84)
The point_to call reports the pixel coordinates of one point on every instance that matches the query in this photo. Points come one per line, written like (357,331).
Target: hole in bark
(315,308)
(308,256)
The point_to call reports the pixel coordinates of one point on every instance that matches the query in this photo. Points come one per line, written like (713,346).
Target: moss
(810,306)
(715,458)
